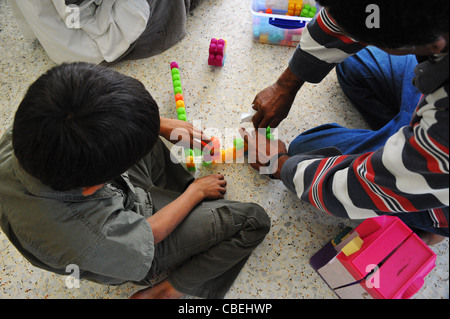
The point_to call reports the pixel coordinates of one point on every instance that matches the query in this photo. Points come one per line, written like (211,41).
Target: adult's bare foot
(431,239)
(163,290)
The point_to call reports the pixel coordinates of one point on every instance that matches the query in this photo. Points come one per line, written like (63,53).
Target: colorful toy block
(190,165)
(239,143)
(294,7)
(217,52)
(308,11)
(218,155)
(269,134)
(352,246)
(380,259)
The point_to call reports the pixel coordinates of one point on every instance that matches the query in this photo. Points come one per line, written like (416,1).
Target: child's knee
(262,217)
(255,219)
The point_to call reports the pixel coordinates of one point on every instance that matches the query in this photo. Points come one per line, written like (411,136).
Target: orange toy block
(190,162)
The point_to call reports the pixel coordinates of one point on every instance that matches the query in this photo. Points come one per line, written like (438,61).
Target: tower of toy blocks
(178,91)
(217,52)
(181,109)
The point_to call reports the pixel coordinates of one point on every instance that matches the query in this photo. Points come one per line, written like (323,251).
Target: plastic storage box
(390,261)
(277,27)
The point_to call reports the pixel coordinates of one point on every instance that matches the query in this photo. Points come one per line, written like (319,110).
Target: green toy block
(341,236)
(238,143)
(177,90)
(269,133)
(175,71)
(188,152)
(308,11)
(181,110)
(197,152)
(207,163)
(182,117)
(176,83)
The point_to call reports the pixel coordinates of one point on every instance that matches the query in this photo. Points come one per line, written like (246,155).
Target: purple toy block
(217,52)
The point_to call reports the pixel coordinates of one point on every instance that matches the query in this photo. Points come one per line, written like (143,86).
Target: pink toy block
(391,263)
(217,52)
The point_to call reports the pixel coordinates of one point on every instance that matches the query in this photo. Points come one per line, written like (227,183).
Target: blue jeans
(380,87)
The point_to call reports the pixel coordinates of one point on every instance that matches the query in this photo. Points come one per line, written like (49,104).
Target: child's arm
(177,131)
(164,222)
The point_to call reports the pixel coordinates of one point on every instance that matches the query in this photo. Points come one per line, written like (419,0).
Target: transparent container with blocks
(281,22)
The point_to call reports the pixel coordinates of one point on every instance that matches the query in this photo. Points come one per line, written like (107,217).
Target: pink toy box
(380,259)
(272,25)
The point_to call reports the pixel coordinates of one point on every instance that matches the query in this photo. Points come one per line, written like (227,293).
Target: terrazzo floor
(279,267)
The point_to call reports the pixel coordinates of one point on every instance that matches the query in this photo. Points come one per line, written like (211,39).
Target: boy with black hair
(399,167)
(86,180)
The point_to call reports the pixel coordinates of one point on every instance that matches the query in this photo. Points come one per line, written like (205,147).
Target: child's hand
(182,133)
(211,186)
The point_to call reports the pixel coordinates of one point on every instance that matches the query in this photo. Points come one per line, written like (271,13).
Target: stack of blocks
(218,155)
(181,109)
(299,8)
(217,52)
(215,153)
(178,91)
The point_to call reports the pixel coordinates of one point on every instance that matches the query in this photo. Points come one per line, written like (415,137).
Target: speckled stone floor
(279,267)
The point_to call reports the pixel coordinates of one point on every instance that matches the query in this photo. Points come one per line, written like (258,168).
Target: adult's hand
(274,103)
(261,151)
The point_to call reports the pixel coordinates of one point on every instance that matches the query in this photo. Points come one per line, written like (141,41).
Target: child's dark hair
(402,22)
(82,125)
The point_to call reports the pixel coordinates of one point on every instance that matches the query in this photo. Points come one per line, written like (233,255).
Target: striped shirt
(408,174)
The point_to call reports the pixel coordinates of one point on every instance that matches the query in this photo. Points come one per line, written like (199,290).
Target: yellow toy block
(180,103)
(353,246)
(190,161)
(295,7)
(230,153)
(264,38)
(223,154)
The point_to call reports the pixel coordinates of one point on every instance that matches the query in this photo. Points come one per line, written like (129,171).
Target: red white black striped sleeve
(321,48)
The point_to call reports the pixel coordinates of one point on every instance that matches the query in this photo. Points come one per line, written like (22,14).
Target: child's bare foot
(163,290)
